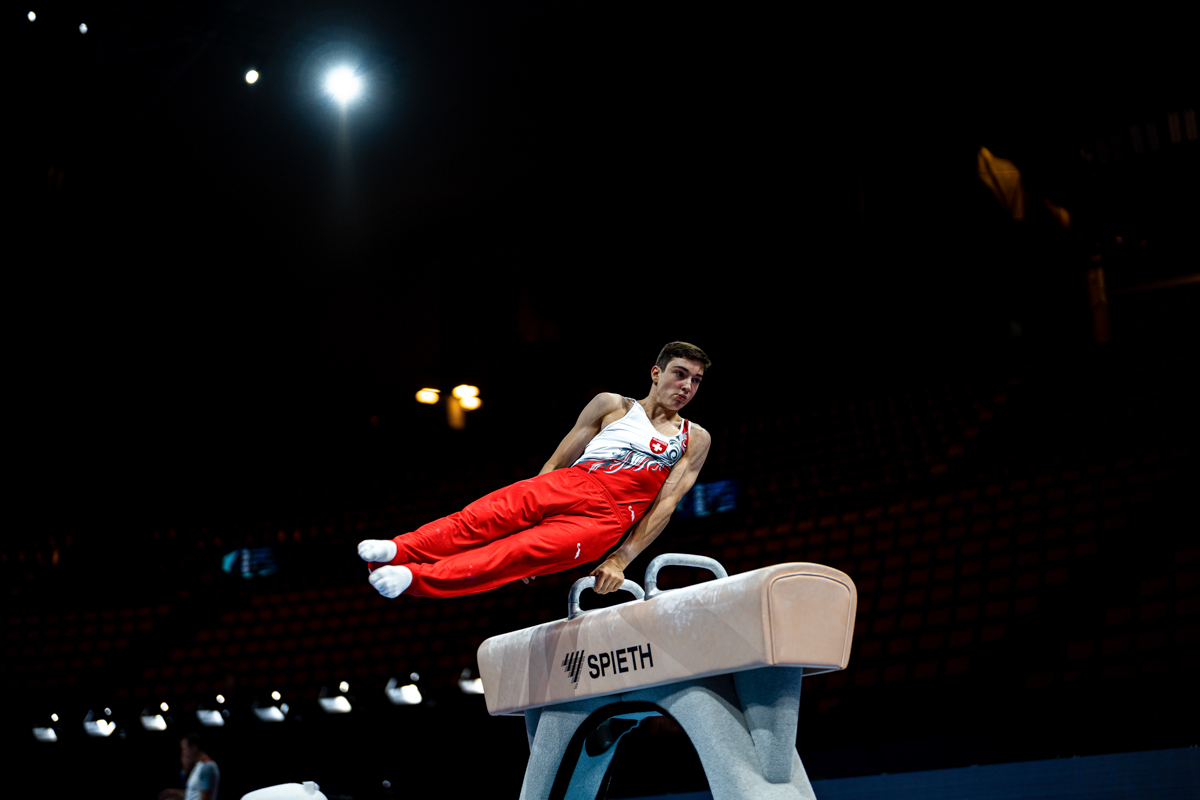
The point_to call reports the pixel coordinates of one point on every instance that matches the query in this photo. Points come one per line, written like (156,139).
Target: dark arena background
(946,268)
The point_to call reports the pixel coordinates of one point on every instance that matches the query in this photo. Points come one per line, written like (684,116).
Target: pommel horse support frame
(723,658)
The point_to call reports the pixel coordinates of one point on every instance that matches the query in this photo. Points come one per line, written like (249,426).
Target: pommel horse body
(722,658)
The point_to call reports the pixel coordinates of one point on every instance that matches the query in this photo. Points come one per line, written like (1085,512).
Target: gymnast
(625,465)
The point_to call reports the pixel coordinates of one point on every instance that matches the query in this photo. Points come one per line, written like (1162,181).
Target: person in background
(201,772)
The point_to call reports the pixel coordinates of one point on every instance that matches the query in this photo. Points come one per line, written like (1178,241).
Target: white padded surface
(794,614)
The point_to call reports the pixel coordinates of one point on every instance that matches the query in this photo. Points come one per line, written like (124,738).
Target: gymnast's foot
(381,550)
(391,581)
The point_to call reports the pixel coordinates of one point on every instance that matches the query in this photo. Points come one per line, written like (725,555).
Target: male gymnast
(625,464)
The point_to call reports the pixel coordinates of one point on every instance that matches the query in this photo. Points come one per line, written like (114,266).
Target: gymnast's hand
(381,550)
(609,577)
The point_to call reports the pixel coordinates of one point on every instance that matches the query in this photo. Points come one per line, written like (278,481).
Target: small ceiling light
(428,396)
(343,686)
(209,717)
(54,717)
(32,16)
(108,712)
(82,28)
(252,76)
(408,695)
(469,686)
(464,390)
(220,698)
(275,695)
(164,706)
(154,723)
(470,403)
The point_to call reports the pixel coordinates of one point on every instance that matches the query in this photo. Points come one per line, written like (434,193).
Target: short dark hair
(681,350)
(193,740)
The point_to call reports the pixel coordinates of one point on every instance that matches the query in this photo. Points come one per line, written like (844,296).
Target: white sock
(391,581)
(381,550)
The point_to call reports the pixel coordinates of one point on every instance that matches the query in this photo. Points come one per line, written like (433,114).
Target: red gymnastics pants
(547,524)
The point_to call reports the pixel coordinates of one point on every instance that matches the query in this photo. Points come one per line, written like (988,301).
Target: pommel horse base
(722,658)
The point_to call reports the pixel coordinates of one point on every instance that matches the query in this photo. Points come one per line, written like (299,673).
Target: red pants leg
(533,527)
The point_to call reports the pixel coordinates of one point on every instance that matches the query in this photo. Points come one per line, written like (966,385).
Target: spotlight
(335,703)
(427,396)
(98,727)
(46,733)
(164,706)
(343,687)
(470,403)
(343,84)
(252,76)
(464,390)
(209,715)
(82,28)
(469,686)
(271,711)
(32,16)
(152,721)
(407,695)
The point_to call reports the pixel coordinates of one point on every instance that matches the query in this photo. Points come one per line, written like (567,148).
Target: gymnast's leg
(556,544)
(518,507)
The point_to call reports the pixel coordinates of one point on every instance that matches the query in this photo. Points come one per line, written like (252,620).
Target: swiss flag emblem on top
(657,446)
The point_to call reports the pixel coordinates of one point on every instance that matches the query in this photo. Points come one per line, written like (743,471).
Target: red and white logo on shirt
(657,446)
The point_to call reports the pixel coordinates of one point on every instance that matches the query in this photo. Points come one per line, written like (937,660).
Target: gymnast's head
(676,375)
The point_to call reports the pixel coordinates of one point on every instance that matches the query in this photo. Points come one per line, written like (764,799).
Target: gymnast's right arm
(586,427)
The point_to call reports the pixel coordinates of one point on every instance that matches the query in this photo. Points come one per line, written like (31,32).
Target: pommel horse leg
(710,712)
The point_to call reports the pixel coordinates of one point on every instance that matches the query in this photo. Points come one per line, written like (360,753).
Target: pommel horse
(723,658)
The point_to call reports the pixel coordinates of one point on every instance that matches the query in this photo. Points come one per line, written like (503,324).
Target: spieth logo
(622,660)
(657,446)
(572,662)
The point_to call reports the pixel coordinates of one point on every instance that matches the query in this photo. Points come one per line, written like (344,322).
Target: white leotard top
(632,442)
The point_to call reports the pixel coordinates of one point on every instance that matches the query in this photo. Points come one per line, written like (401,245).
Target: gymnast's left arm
(611,571)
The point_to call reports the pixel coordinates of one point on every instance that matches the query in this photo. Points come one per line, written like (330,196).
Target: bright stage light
(343,84)
(54,717)
(275,695)
(164,706)
(470,403)
(82,28)
(32,16)
(469,686)
(154,723)
(343,687)
(463,390)
(408,695)
(98,727)
(210,718)
(220,698)
(428,396)
(252,76)
(335,705)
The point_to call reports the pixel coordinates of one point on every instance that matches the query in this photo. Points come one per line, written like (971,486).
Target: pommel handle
(679,560)
(589,582)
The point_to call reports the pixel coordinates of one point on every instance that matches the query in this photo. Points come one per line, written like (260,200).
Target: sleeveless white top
(632,442)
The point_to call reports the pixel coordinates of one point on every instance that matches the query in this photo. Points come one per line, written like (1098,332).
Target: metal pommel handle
(679,560)
(589,582)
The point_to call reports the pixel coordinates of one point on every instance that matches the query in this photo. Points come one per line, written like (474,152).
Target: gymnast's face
(678,383)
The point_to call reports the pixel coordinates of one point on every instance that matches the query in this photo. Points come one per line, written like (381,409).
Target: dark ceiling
(216,276)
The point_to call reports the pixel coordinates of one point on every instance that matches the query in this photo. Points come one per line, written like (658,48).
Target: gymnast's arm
(610,574)
(586,427)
